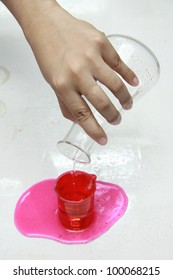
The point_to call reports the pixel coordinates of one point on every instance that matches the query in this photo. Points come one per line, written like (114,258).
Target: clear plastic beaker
(75,191)
(77,145)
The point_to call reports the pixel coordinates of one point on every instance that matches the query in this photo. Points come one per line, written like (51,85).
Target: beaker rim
(84,160)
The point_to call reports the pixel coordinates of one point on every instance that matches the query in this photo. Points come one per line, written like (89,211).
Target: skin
(73,55)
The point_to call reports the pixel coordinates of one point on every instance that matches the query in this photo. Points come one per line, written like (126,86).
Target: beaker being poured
(77,145)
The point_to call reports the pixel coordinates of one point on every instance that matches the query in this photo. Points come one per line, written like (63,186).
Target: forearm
(29,12)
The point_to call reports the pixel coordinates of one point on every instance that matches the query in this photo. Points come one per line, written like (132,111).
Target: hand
(73,55)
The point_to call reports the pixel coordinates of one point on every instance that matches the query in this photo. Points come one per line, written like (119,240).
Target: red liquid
(36,213)
(75,217)
(75,191)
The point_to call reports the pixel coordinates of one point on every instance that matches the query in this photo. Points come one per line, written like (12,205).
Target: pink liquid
(36,213)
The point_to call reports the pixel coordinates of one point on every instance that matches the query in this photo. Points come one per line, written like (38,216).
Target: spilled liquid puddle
(36,213)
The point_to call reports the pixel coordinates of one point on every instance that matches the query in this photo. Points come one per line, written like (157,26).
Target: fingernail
(102,141)
(117,121)
(128,105)
(135,81)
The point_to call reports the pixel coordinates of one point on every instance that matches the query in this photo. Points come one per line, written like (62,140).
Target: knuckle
(59,85)
(103,105)
(90,56)
(119,86)
(74,64)
(92,92)
(100,38)
(82,114)
(76,68)
(117,62)
(100,101)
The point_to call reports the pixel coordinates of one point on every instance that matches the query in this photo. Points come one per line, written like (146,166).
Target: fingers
(75,108)
(111,80)
(96,96)
(112,58)
(94,130)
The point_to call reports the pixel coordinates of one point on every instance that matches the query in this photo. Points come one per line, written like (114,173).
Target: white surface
(138,156)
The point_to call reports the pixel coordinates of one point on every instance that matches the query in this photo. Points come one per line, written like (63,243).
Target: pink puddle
(36,213)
